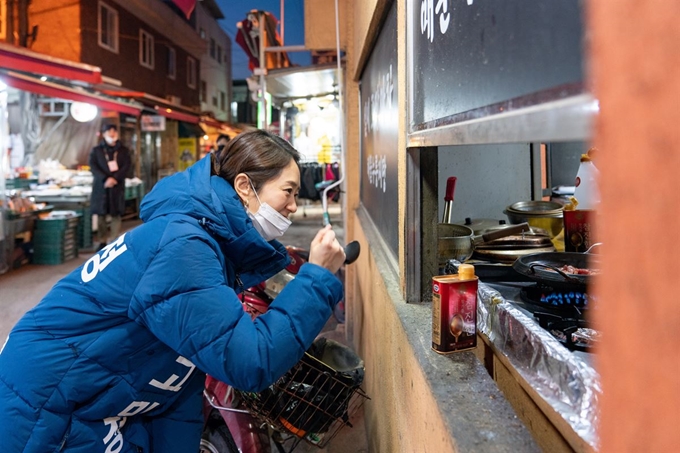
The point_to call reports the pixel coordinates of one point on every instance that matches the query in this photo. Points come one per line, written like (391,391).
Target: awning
(24,60)
(216,127)
(50,89)
(186,130)
(175,114)
(157,104)
(296,83)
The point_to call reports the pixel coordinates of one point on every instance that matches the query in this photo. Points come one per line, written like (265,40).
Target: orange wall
(636,77)
(58,24)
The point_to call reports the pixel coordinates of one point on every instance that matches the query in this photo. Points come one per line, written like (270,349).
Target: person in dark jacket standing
(109,162)
(113,359)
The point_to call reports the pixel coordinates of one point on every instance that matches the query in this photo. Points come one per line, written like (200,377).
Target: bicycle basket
(315,398)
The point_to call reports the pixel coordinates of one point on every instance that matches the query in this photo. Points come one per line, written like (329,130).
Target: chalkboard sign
(472,58)
(379,129)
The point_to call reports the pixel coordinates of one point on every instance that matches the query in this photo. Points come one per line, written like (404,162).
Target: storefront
(493,93)
(51,116)
(310,119)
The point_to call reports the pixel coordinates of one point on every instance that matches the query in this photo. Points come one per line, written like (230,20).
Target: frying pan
(545,268)
(458,241)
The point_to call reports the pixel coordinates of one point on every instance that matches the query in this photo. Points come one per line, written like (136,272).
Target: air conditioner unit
(174,100)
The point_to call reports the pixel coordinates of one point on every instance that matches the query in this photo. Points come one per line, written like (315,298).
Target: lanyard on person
(113,164)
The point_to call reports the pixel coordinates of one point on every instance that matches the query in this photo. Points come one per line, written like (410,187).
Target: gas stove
(564,314)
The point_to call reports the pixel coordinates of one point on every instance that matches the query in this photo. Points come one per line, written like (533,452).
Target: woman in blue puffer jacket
(113,359)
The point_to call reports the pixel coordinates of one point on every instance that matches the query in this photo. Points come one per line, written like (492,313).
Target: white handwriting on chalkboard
(428,10)
(376,166)
(379,102)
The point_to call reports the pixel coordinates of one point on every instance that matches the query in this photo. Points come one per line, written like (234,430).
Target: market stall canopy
(56,90)
(295,83)
(215,127)
(23,60)
(186,130)
(157,106)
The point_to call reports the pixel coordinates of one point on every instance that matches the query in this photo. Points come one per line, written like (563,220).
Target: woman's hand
(326,251)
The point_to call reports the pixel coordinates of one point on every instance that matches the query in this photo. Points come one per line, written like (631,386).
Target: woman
(113,358)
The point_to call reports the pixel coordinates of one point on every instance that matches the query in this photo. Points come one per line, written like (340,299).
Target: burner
(546,298)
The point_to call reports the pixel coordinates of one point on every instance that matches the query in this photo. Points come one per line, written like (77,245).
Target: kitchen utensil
(458,241)
(448,198)
(545,268)
(546,215)
(480,226)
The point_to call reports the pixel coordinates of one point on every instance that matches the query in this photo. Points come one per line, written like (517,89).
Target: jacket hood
(213,202)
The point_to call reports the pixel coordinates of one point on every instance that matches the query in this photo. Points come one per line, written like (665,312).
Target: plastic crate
(54,235)
(58,224)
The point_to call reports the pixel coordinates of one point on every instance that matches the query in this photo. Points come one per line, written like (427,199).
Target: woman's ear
(242,187)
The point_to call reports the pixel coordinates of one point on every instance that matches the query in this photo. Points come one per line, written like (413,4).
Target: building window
(146,49)
(223,100)
(107,27)
(191,72)
(219,54)
(204,91)
(202,33)
(212,48)
(172,63)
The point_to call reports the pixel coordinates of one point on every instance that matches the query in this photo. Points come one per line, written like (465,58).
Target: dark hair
(222,137)
(106,127)
(259,154)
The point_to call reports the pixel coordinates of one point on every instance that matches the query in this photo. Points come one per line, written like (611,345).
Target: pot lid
(479,225)
(508,256)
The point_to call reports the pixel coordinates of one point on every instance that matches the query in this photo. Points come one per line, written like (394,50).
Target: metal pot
(458,242)
(546,215)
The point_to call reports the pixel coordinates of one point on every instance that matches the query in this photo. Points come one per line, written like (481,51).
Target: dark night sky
(294,33)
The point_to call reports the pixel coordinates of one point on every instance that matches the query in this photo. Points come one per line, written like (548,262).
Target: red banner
(187,6)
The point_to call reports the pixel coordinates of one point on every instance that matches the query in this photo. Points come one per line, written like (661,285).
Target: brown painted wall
(125,66)
(58,24)
(635,60)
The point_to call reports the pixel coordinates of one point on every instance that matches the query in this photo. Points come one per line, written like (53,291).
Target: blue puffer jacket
(113,358)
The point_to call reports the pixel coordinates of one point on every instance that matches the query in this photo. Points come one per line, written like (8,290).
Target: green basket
(57,224)
(54,235)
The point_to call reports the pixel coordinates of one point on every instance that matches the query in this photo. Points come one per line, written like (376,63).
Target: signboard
(186,153)
(379,134)
(152,123)
(473,58)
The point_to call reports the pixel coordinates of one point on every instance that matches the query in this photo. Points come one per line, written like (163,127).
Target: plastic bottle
(587,193)
(454,310)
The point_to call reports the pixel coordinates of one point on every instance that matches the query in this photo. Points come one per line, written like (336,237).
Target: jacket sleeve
(124,163)
(184,300)
(96,169)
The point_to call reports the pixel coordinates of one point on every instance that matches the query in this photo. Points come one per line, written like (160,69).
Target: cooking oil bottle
(579,218)
(454,310)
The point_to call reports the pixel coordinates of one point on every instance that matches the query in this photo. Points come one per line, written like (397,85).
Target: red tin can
(454,310)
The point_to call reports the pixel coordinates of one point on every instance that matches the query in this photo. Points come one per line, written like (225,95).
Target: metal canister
(454,310)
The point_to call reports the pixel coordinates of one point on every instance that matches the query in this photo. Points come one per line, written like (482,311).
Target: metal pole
(263,68)
(282,12)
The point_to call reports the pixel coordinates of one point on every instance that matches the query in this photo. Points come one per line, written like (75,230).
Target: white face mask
(109,140)
(267,221)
